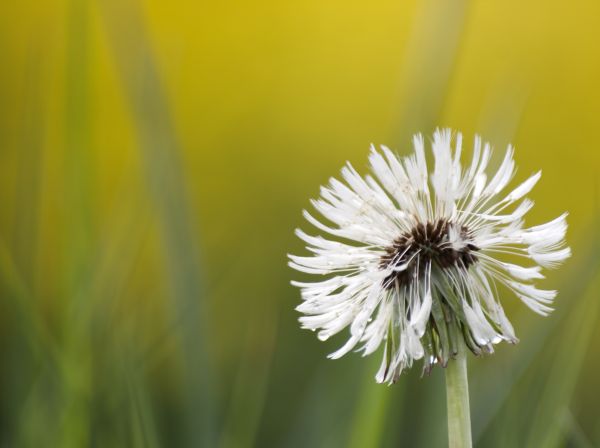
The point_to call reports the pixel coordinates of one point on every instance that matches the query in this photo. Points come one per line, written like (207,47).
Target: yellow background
(154,161)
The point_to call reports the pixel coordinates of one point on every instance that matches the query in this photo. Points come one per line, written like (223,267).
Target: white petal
(521,272)
(482,331)
(503,175)
(551,259)
(524,188)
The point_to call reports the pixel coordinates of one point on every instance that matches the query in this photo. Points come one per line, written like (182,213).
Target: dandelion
(412,259)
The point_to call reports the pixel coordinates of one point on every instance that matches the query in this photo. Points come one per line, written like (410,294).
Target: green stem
(457,396)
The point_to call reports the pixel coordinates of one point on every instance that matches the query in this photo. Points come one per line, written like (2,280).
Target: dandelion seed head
(410,258)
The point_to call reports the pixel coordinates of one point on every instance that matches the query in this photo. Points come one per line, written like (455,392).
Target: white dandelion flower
(412,258)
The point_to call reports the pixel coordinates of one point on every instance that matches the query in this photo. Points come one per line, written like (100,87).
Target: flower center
(440,243)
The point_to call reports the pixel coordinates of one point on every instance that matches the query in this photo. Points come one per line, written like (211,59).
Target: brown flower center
(427,243)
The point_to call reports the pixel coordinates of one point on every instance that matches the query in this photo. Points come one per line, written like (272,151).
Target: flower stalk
(457,396)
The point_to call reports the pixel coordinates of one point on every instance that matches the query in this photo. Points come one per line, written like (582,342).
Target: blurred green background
(154,160)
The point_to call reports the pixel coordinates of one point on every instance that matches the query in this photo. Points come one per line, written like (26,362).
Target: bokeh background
(155,158)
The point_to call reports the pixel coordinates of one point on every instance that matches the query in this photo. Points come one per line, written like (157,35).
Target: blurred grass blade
(143,424)
(76,361)
(30,168)
(371,416)
(572,344)
(573,428)
(251,385)
(32,351)
(160,152)
(428,66)
(492,386)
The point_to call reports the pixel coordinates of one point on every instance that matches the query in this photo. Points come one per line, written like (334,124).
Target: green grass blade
(160,150)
